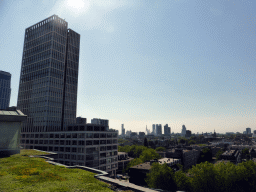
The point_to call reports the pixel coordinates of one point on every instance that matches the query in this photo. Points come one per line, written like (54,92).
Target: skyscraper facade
(167,130)
(5,89)
(158,129)
(248,131)
(183,131)
(49,76)
(123,130)
(48,96)
(154,129)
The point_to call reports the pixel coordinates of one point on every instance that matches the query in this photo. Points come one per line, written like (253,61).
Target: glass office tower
(5,89)
(49,76)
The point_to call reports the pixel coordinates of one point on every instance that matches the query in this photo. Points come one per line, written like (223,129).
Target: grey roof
(12,116)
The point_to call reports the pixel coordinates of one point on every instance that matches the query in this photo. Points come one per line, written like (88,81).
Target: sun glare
(77,6)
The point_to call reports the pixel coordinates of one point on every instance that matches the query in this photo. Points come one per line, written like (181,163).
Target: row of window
(57,55)
(74,142)
(37,49)
(73,49)
(42,39)
(73,57)
(73,38)
(35,67)
(5,83)
(70,135)
(87,158)
(37,57)
(60,39)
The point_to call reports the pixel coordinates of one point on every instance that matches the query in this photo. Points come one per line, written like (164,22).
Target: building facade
(248,131)
(183,131)
(48,96)
(10,126)
(5,89)
(167,130)
(100,122)
(188,133)
(158,129)
(49,76)
(123,130)
(153,129)
(86,145)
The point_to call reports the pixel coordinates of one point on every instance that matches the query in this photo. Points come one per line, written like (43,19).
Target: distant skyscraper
(188,133)
(158,129)
(248,131)
(154,129)
(123,130)
(147,130)
(167,130)
(49,76)
(183,131)
(5,89)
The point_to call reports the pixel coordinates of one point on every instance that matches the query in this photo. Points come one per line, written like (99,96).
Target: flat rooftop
(14,116)
(145,166)
(167,160)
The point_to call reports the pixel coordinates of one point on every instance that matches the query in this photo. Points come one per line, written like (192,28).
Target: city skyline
(143,63)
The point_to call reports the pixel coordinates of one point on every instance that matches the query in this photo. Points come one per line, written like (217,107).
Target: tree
(152,144)
(132,163)
(146,142)
(160,149)
(191,142)
(206,155)
(182,181)
(245,153)
(148,155)
(182,141)
(203,177)
(218,154)
(193,138)
(161,177)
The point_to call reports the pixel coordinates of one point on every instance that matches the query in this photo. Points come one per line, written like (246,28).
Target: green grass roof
(22,173)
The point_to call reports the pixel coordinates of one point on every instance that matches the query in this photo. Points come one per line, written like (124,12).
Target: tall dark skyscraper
(49,76)
(5,89)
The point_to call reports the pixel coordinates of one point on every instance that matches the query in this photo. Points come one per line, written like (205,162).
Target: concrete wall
(9,138)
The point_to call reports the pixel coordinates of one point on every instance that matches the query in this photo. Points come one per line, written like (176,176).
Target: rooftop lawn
(22,173)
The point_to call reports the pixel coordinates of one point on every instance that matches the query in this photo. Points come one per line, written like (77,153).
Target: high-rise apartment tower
(49,76)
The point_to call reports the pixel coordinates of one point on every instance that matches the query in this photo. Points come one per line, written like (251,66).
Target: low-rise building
(123,160)
(233,156)
(215,150)
(138,173)
(252,153)
(86,145)
(188,157)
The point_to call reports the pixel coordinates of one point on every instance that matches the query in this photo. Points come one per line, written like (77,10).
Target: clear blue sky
(179,62)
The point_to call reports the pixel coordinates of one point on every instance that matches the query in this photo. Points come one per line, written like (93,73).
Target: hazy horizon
(151,62)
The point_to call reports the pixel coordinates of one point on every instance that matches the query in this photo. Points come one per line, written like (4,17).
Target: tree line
(205,177)
(141,154)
